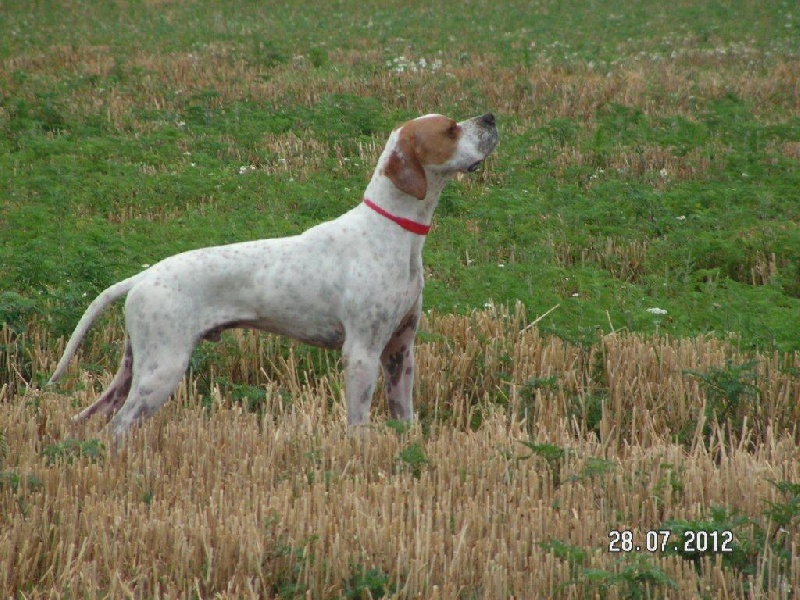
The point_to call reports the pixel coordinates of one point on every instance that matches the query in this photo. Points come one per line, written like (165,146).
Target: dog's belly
(315,330)
(330,338)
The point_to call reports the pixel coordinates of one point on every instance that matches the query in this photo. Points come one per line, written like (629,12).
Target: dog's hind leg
(156,374)
(116,393)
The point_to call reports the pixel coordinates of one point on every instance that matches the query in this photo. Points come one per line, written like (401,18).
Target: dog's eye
(452,131)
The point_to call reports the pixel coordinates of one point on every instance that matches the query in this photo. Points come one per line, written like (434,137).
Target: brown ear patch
(404,168)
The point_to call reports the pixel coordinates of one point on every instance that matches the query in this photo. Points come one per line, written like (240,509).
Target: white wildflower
(656,311)
(401,64)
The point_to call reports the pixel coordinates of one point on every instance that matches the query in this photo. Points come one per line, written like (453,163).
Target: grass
(648,160)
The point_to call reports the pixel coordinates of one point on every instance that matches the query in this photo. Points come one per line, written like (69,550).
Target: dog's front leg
(361,374)
(397,360)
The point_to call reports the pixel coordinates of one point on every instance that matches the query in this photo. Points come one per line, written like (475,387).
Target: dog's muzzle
(487,129)
(487,120)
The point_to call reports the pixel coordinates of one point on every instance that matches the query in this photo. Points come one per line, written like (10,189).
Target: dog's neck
(384,193)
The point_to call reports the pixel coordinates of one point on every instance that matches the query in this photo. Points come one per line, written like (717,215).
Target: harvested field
(528,454)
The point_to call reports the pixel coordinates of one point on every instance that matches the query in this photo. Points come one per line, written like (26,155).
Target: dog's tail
(97,306)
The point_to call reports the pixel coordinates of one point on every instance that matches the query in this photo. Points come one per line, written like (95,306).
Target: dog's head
(439,145)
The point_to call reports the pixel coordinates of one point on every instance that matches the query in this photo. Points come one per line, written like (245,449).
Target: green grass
(648,155)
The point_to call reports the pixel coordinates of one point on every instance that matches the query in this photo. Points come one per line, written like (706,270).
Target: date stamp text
(688,542)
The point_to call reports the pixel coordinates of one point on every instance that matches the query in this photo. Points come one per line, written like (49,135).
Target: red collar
(407,224)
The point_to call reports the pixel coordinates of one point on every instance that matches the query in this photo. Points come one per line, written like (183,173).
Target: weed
(399,427)
(741,554)
(370,584)
(635,578)
(552,454)
(587,410)
(730,391)
(574,556)
(283,562)
(413,458)
(784,513)
(783,516)
(67,451)
(252,398)
(266,54)
(318,56)
(13,480)
(593,467)
(671,483)
(10,479)
(527,392)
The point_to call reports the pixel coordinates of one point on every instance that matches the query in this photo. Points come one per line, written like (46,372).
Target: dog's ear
(404,168)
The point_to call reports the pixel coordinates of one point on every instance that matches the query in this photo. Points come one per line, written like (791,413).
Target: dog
(353,283)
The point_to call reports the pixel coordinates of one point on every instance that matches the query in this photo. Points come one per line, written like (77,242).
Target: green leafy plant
(786,513)
(413,458)
(368,584)
(749,538)
(635,578)
(783,517)
(552,455)
(575,556)
(399,427)
(593,467)
(527,396)
(13,480)
(730,391)
(70,449)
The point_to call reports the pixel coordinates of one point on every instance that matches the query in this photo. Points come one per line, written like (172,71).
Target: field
(611,341)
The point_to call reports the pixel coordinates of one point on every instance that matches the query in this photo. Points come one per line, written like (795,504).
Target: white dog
(353,283)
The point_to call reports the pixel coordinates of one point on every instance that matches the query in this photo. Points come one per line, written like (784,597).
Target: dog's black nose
(488,119)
